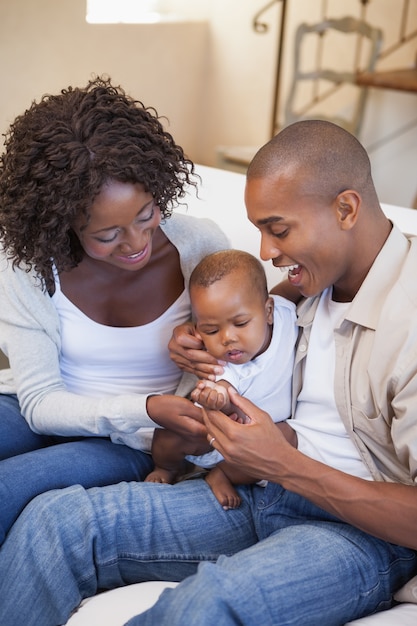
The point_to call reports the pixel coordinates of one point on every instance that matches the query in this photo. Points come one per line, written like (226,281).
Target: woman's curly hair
(58,155)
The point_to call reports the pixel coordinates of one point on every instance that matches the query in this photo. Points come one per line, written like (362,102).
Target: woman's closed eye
(149,215)
(107,239)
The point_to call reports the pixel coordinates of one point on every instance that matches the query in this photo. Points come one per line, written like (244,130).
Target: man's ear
(348,205)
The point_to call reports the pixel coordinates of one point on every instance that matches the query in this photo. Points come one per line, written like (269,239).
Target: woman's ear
(348,205)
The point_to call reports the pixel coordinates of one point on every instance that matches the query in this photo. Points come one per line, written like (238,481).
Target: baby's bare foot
(229,501)
(223,489)
(160,475)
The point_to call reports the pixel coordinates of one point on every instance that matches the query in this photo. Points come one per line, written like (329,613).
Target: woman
(93,277)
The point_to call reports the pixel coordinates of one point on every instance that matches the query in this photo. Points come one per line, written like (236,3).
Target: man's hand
(187,351)
(255,446)
(264,450)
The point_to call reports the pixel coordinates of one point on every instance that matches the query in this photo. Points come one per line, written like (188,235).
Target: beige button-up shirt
(375,382)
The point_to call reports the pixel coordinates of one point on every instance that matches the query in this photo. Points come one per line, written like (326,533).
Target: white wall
(242,77)
(46,45)
(214,80)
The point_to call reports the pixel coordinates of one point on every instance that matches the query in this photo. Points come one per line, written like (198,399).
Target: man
(332,534)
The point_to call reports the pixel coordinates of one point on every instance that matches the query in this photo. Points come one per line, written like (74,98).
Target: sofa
(220,197)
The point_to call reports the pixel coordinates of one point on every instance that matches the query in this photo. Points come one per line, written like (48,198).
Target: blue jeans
(40,463)
(15,435)
(275,560)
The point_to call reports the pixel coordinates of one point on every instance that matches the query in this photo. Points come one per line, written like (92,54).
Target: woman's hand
(257,447)
(187,351)
(177,414)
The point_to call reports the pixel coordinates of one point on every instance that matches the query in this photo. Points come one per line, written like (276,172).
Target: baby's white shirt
(267,379)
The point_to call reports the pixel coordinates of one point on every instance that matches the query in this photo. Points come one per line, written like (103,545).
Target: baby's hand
(210,395)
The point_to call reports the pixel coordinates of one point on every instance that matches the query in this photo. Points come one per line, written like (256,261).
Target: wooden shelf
(400,80)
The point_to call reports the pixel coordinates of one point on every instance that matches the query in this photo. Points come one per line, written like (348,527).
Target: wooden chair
(338,46)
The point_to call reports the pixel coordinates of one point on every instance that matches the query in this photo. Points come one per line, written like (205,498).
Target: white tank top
(98,360)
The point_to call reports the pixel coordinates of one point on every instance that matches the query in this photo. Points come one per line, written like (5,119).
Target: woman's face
(123,220)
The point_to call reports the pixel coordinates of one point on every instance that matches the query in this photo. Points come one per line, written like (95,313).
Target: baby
(254,333)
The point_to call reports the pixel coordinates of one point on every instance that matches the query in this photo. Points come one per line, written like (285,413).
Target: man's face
(300,232)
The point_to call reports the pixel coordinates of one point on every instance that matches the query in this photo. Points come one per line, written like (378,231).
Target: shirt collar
(366,307)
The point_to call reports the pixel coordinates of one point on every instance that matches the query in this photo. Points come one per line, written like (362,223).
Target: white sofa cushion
(116,607)
(408,593)
(400,615)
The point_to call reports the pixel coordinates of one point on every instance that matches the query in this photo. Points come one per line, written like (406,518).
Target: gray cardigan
(30,337)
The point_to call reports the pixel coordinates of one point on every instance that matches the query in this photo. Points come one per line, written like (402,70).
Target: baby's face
(234,322)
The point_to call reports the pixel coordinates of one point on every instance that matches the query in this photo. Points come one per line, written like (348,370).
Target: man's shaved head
(326,156)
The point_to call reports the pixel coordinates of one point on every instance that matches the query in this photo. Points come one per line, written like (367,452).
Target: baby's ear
(269,309)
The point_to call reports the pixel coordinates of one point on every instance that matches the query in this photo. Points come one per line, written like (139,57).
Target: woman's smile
(122,222)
